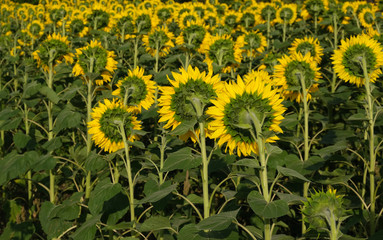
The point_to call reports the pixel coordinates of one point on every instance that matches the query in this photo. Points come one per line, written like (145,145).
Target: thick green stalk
(316,24)
(371,139)
(162,156)
(88,119)
(306,138)
(333,228)
(268,29)
(129,172)
(135,52)
(284,30)
(205,171)
(333,83)
(50,130)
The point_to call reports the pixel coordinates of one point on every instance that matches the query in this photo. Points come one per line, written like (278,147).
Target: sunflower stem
(333,227)
(306,138)
(205,171)
(316,23)
(162,156)
(88,186)
(50,127)
(129,172)
(284,30)
(371,139)
(135,60)
(356,19)
(257,126)
(268,29)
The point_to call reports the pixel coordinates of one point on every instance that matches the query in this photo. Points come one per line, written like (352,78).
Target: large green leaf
(159,194)
(108,198)
(52,144)
(10,119)
(88,229)
(22,231)
(218,222)
(50,94)
(192,232)
(155,223)
(268,210)
(184,127)
(181,159)
(291,173)
(21,140)
(94,162)
(67,118)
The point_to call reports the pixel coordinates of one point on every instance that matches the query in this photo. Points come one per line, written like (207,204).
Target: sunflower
(193,35)
(307,45)
(136,89)
(160,39)
(165,14)
(247,20)
(35,29)
(96,57)
(188,97)
(374,34)
(231,18)
(287,13)
(54,49)
(211,19)
(125,26)
(241,106)
(314,7)
(367,17)
(100,18)
(78,26)
(252,43)
(291,69)
(104,126)
(186,17)
(347,59)
(266,11)
(145,21)
(221,50)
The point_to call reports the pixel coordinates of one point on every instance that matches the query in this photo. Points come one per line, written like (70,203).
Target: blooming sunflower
(266,11)
(124,26)
(188,97)
(160,39)
(291,69)
(211,19)
(307,45)
(35,29)
(104,126)
(367,17)
(193,35)
(287,13)
(96,57)
(54,49)
(237,107)
(186,17)
(252,43)
(221,50)
(347,59)
(145,21)
(136,89)
(314,7)
(247,20)
(100,18)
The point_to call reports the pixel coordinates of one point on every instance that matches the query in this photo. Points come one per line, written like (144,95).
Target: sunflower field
(191,119)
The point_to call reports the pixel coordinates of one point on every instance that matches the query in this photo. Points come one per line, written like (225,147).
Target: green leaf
(181,159)
(155,223)
(291,198)
(31,89)
(195,199)
(184,127)
(291,173)
(247,162)
(10,119)
(52,144)
(330,150)
(191,232)
(218,222)
(88,229)
(94,162)
(21,140)
(50,94)
(273,209)
(22,231)
(108,198)
(67,118)
(159,194)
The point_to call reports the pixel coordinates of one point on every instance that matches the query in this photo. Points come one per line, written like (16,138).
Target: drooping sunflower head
(232,18)
(188,97)
(125,25)
(145,21)
(349,8)
(287,13)
(35,29)
(374,34)
(54,49)
(211,19)
(244,111)
(367,17)
(307,45)
(322,206)
(314,7)
(295,72)
(136,90)
(267,11)
(221,50)
(252,43)
(159,39)
(94,59)
(100,18)
(192,35)
(78,26)
(348,59)
(186,17)
(105,127)
(165,13)
(247,20)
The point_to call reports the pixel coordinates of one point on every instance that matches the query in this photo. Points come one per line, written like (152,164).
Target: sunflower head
(78,26)
(287,13)
(307,45)
(94,60)
(165,14)
(105,127)
(252,43)
(211,19)
(221,50)
(192,35)
(145,21)
(244,111)
(367,17)
(99,17)
(267,11)
(294,71)
(159,39)
(53,50)
(314,7)
(231,19)
(125,25)
(136,90)
(247,20)
(321,208)
(349,57)
(35,29)
(188,97)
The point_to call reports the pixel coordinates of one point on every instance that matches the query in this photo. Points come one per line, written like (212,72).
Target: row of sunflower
(184,103)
